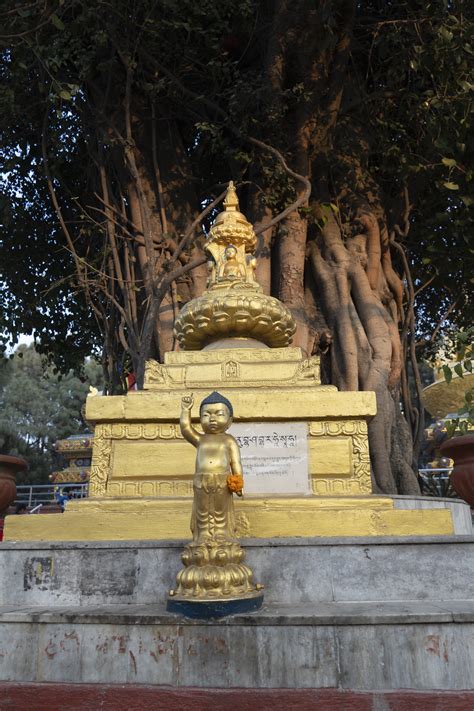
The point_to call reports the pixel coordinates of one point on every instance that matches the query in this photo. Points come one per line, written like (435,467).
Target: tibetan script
(274,457)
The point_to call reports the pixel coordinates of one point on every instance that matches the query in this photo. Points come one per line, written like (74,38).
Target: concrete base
(293,570)
(460,510)
(350,646)
(355,614)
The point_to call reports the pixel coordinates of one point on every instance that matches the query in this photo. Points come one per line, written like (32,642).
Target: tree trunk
(291,262)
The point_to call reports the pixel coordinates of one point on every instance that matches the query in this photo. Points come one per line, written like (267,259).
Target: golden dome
(236,314)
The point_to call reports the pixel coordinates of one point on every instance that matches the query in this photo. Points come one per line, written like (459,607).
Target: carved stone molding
(264,368)
(100,485)
(155,373)
(230,370)
(242,524)
(329,428)
(308,369)
(147,430)
(242,355)
(100,466)
(104,437)
(147,488)
(339,487)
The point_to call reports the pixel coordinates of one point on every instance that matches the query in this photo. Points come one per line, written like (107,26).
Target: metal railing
(35,494)
(437,482)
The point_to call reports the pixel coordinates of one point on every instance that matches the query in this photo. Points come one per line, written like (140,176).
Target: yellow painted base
(166,519)
(139,450)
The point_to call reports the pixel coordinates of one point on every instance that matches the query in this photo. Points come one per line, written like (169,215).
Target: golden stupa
(234,339)
(234,304)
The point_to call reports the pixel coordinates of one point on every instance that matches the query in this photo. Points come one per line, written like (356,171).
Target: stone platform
(356,614)
(277,517)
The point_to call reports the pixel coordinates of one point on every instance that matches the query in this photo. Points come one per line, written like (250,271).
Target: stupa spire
(231,201)
(233,305)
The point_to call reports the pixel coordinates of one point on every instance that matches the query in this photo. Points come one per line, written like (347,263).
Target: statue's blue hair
(216,398)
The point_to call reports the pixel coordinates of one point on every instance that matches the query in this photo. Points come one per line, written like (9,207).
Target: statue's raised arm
(187,430)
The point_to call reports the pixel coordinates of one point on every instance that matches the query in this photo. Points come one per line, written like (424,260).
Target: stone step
(293,570)
(409,644)
(321,613)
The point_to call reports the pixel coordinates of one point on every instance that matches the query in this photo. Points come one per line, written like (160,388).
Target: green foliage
(414,93)
(38,407)
(405,120)
(464,351)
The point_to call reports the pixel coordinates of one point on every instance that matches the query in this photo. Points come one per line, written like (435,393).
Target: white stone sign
(274,457)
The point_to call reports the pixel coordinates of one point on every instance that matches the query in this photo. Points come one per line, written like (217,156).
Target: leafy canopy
(38,407)
(405,121)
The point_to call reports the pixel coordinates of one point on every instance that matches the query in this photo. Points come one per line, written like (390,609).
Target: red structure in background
(9,468)
(131,381)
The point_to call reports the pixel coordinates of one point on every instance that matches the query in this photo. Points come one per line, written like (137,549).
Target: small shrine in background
(442,399)
(443,402)
(77,451)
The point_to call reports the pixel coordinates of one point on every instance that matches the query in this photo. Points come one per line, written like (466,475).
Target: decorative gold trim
(271,355)
(147,488)
(144,431)
(230,370)
(236,370)
(360,482)
(155,373)
(329,486)
(100,466)
(101,469)
(308,369)
(334,428)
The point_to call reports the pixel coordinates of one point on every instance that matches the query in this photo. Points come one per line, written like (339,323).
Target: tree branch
(302,200)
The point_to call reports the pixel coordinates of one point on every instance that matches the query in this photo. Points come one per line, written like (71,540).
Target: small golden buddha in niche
(232,267)
(218,471)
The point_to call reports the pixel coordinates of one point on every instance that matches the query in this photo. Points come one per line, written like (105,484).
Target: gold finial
(231,201)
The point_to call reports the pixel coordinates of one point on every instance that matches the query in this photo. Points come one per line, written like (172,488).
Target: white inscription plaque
(274,457)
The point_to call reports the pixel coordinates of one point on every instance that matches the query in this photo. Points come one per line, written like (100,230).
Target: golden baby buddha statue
(215,581)
(217,465)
